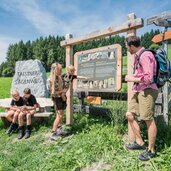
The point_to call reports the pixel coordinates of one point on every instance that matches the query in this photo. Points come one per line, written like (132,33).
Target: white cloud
(62,17)
(41,19)
(76,21)
(4,43)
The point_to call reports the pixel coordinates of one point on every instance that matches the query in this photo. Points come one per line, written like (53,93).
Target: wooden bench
(45,107)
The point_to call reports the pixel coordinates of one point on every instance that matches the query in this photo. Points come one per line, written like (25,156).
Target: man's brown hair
(133,40)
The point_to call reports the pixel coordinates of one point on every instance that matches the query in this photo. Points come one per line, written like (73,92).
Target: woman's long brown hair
(54,77)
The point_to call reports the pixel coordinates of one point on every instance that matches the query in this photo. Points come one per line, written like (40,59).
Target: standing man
(145,93)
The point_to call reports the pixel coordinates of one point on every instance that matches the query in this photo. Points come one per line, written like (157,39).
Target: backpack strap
(138,61)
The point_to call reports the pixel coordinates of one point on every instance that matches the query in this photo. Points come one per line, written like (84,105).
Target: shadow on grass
(82,120)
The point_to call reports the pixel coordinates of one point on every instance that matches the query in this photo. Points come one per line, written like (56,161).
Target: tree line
(48,50)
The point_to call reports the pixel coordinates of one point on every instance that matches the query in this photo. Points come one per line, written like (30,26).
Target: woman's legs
(58,120)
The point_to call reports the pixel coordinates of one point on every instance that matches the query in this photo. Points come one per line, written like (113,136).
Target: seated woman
(16,107)
(28,111)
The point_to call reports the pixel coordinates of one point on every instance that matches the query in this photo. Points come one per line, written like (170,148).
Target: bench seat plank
(43,114)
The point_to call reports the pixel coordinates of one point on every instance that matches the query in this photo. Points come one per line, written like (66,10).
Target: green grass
(95,142)
(5,85)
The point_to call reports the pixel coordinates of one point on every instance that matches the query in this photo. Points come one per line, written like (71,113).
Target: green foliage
(48,50)
(5,85)
(147,37)
(154,46)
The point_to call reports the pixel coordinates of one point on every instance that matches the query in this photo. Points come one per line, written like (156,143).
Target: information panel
(103,68)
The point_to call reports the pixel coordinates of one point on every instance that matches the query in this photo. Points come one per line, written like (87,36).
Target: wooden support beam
(69,61)
(165,93)
(162,23)
(130,63)
(131,24)
(163,16)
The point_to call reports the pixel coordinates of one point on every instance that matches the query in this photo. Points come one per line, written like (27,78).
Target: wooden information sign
(102,66)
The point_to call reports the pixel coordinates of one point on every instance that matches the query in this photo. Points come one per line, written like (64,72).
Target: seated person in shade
(29,110)
(17,104)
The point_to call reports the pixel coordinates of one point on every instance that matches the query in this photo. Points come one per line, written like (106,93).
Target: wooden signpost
(94,100)
(162,37)
(129,26)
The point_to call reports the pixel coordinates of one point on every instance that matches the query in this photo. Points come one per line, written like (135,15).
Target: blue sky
(30,19)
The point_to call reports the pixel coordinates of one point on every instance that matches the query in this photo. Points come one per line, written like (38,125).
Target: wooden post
(69,61)
(165,92)
(130,63)
(129,26)
(162,21)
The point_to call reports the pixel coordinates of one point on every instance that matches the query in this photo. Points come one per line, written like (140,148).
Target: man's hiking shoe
(13,127)
(146,155)
(135,146)
(20,132)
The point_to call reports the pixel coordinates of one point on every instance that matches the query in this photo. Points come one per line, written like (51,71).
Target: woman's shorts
(59,103)
(142,104)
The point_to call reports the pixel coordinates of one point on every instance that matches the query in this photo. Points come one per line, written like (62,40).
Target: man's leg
(152,132)
(147,109)
(135,128)
(131,135)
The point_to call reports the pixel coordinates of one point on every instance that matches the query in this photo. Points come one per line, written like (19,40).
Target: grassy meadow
(95,143)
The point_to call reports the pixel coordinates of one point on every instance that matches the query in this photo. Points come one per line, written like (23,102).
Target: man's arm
(131,78)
